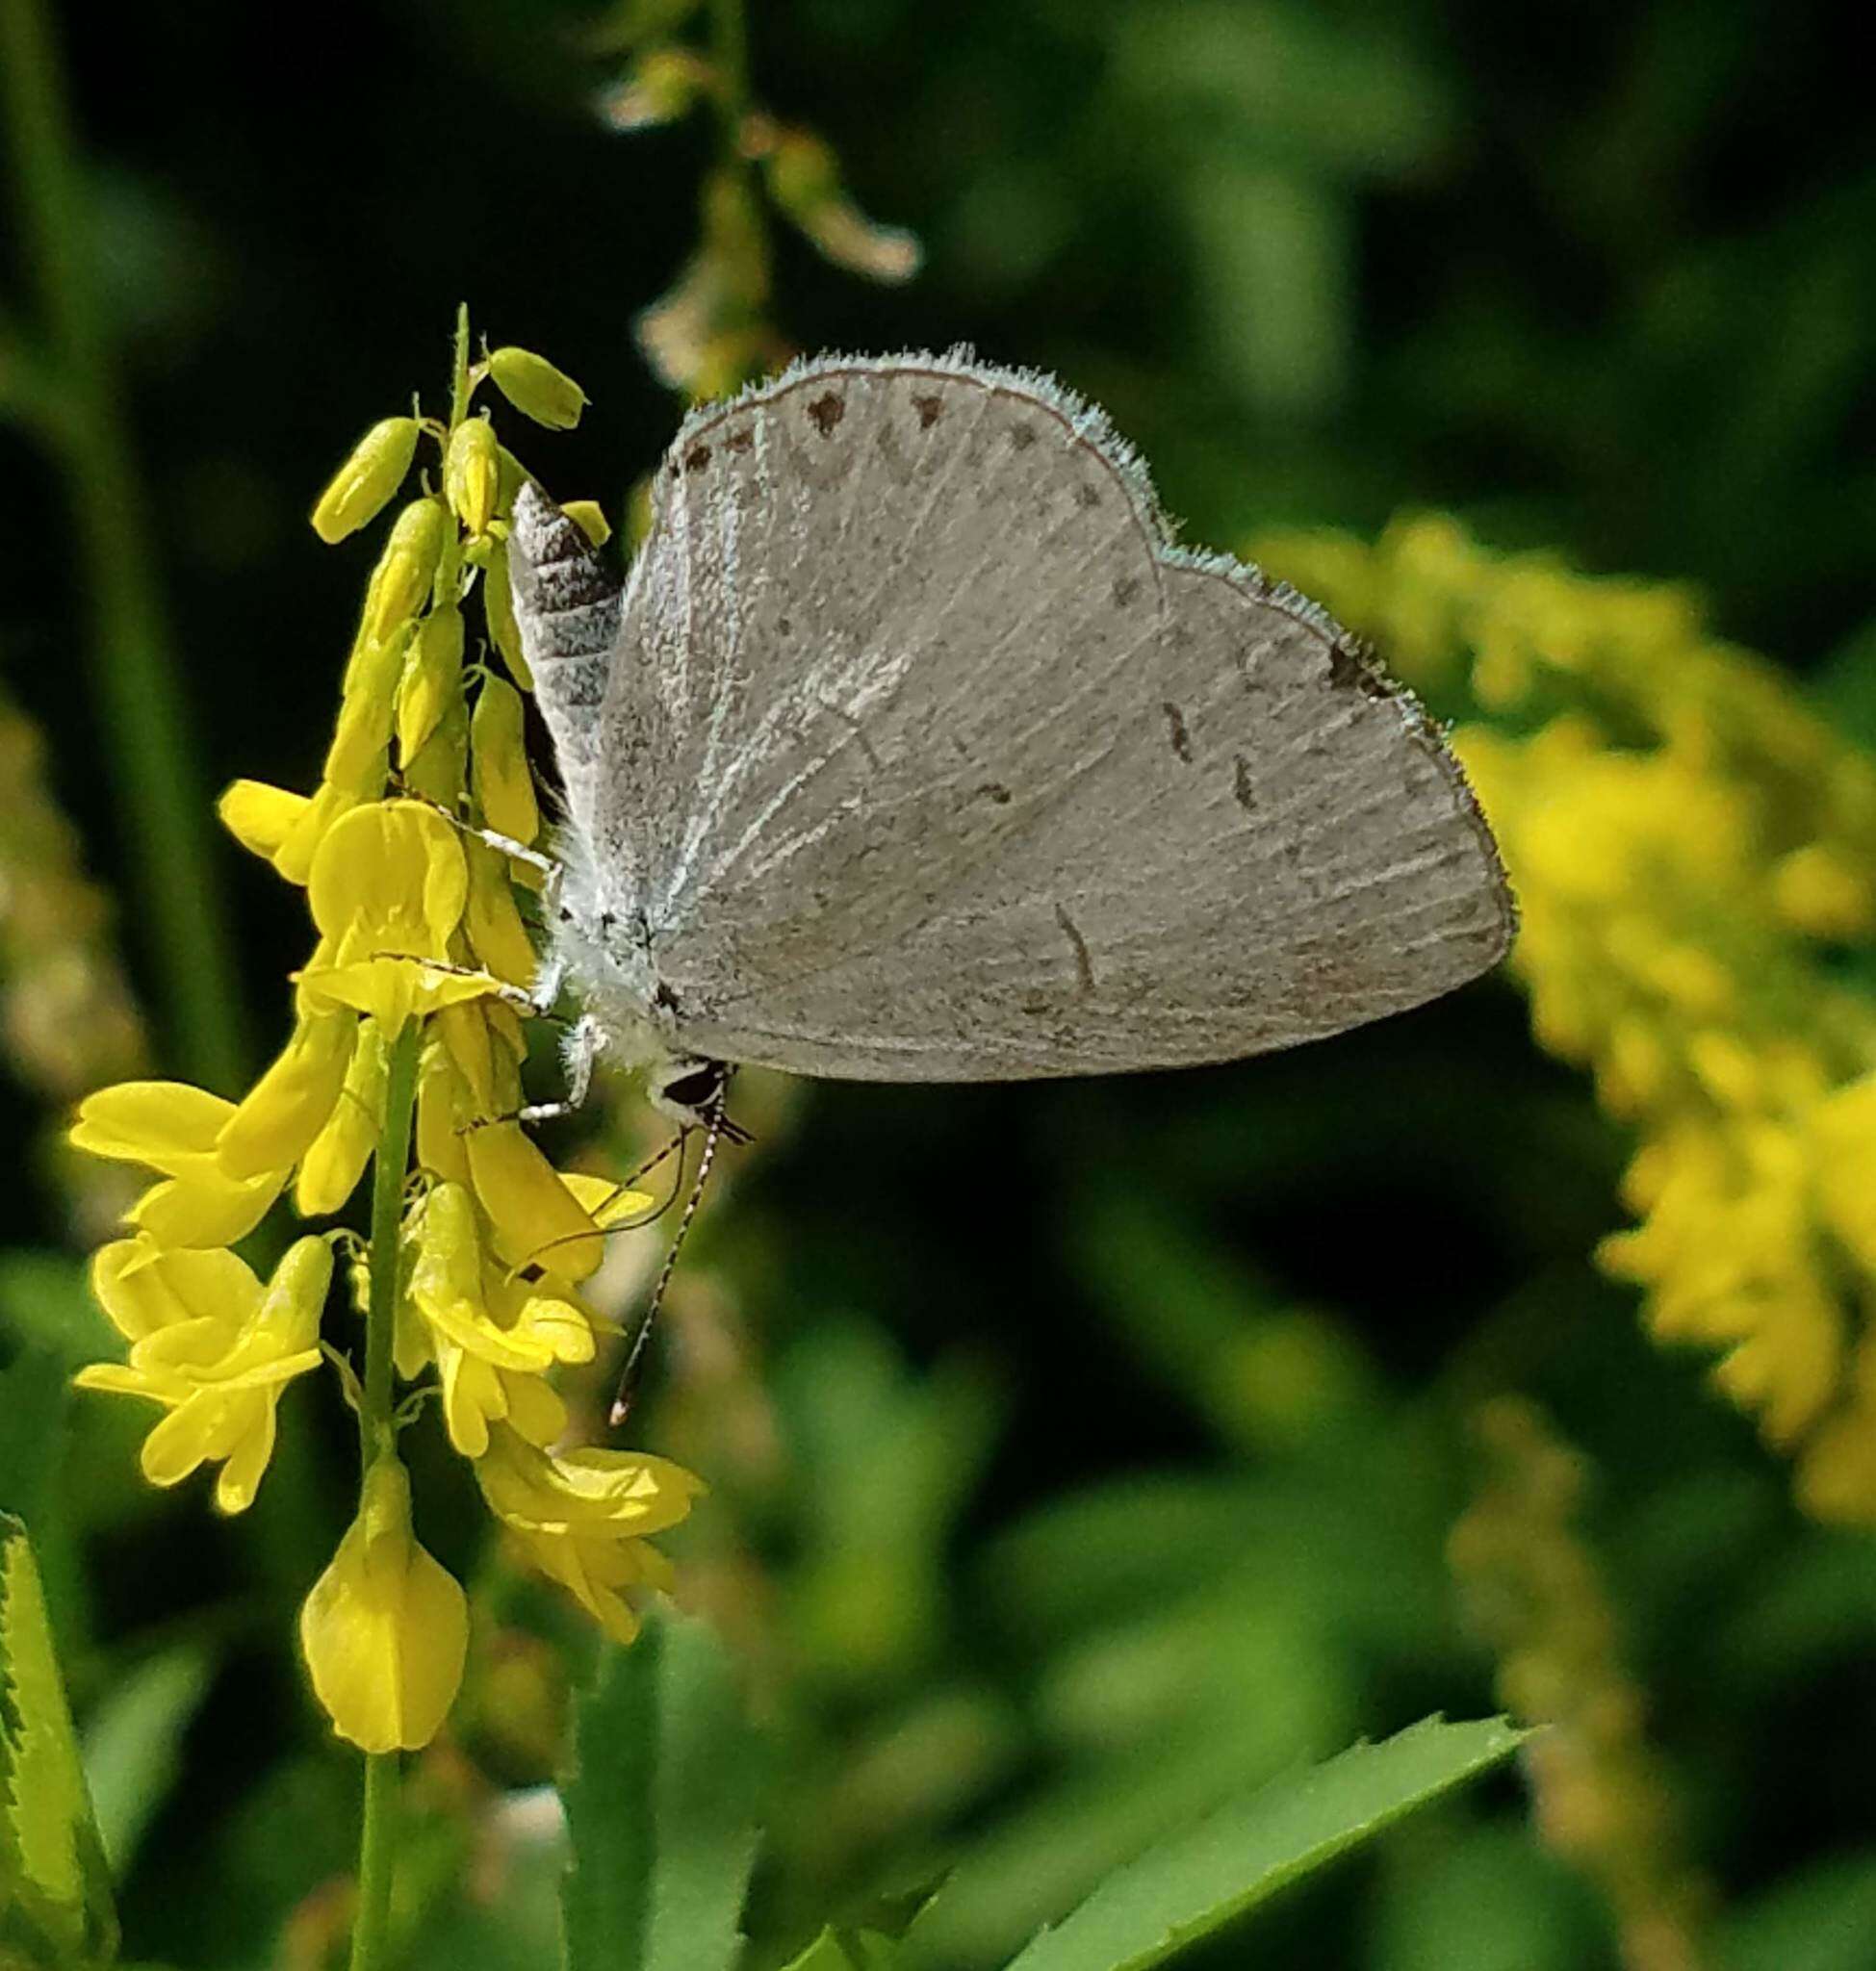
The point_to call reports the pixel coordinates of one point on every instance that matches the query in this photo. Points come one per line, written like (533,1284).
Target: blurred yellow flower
(386,1628)
(1686,838)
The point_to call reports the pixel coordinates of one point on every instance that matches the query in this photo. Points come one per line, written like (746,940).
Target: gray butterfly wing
(926,758)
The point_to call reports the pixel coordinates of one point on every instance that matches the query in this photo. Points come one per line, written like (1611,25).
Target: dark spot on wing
(664,999)
(1176,726)
(1351,670)
(1087,494)
(1241,784)
(740,438)
(1022,437)
(826,411)
(783,626)
(1084,964)
(930,410)
(696,458)
(997,792)
(1125,588)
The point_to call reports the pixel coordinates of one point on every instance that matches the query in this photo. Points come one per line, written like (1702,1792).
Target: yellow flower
(388,886)
(216,1351)
(1673,882)
(585,1517)
(385,1629)
(491,1339)
(175,1129)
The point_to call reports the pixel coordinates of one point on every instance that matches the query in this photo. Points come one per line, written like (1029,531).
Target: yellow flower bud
(472,474)
(442,1114)
(367,479)
(359,754)
(433,677)
(589,517)
(292,1102)
(536,389)
(438,770)
(400,582)
(505,784)
(260,817)
(498,607)
(386,1628)
(495,933)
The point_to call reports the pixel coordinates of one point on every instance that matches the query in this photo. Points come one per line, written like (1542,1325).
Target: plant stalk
(377,1841)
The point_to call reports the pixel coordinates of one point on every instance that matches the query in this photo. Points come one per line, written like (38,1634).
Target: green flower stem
(377,1438)
(151,753)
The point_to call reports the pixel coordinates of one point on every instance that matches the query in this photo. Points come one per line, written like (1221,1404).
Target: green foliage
(661,1808)
(1198,1882)
(54,1895)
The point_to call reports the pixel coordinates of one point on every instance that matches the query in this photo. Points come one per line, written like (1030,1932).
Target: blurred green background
(1079,1453)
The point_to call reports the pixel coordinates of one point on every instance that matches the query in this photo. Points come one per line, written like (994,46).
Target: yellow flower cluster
(1537,1596)
(405,1016)
(1692,850)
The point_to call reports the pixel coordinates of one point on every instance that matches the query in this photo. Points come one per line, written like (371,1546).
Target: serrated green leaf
(661,1808)
(869,1942)
(55,1892)
(1199,1882)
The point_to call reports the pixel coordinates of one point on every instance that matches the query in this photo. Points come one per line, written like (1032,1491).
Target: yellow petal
(295,856)
(260,817)
(206,1209)
(535,1216)
(142,1288)
(472,474)
(292,1102)
(442,1111)
(389,877)
(385,1629)
(335,1160)
(610,1204)
(167,1125)
(503,780)
(494,923)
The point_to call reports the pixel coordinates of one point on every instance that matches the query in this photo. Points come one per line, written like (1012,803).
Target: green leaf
(1200,1881)
(839,1948)
(55,1892)
(661,1808)
(869,1942)
(133,1743)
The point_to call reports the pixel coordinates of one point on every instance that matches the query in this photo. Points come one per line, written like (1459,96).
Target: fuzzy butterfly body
(911,749)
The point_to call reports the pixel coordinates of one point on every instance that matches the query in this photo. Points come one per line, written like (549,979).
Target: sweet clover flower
(407,1033)
(1692,849)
